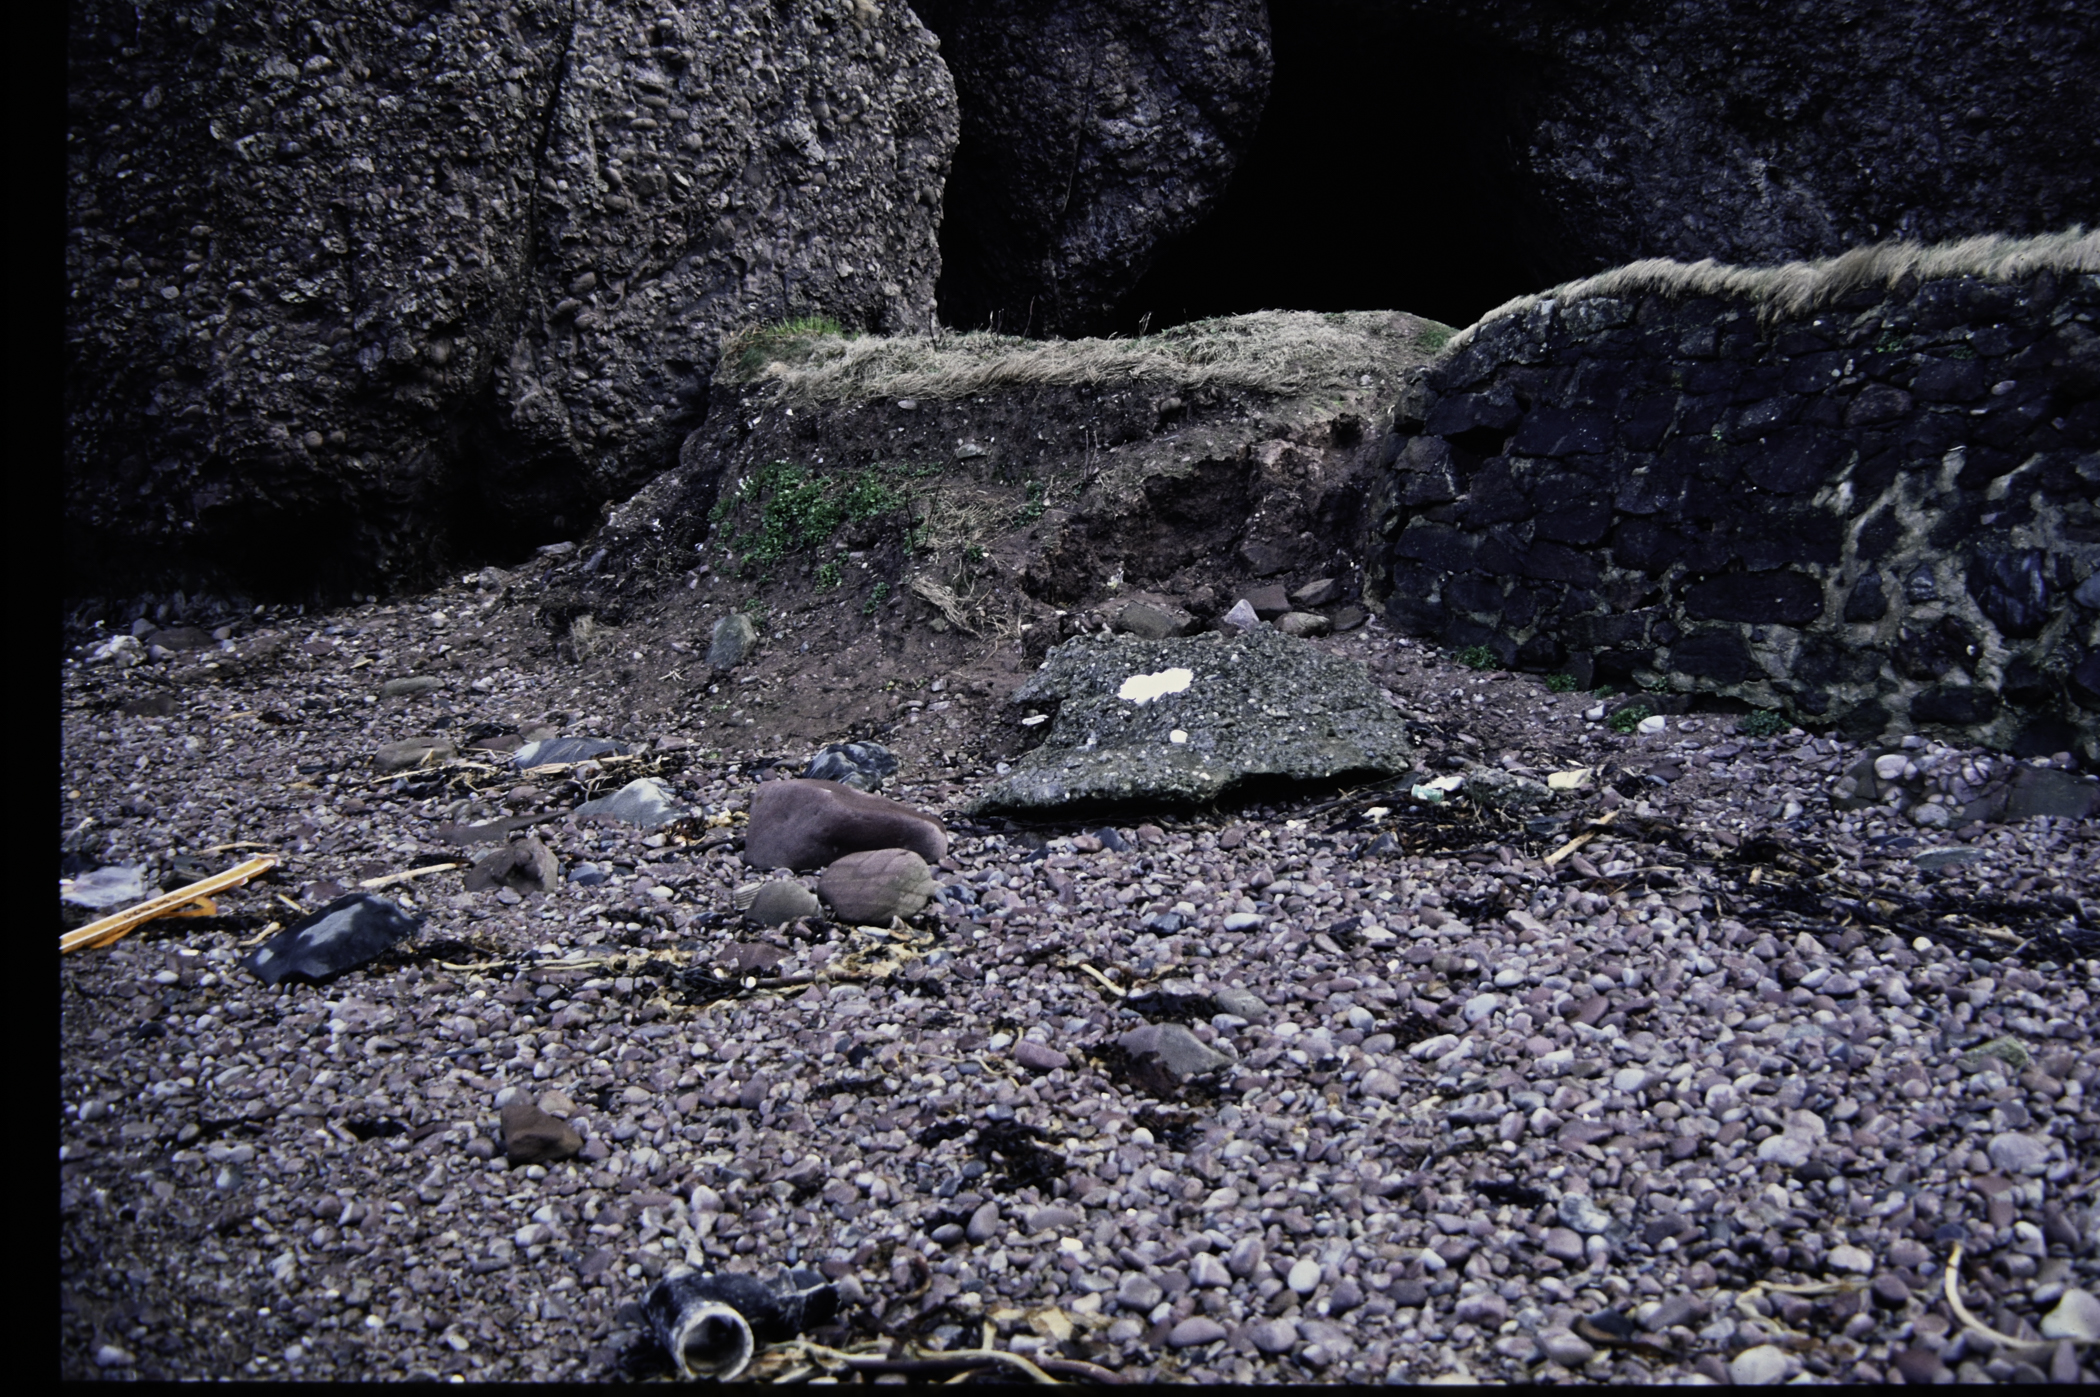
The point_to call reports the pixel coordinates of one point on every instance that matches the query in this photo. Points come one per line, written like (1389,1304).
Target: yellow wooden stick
(110,928)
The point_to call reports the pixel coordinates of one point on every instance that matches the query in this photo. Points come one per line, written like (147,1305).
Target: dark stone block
(1868,601)
(1865,721)
(1875,472)
(1956,705)
(1721,656)
(1538,654)
(1929,651)
(2027,684)
(1429,472)
(1811,701)
(1778,536)
(1655,486)
(1494,496)
(1813,373)
(1648,422)
(1500,553)
(1445,549)
(1760,598)
(1612,630)
(1957,524)
(1521,606)
(1982,464)
(1619,666)
(1822,660)
(1409,614)
(1950,381)
(1563,432)
(1555,562)
(1877,402)
(1479,595)
(2008,421)
(2012,589)
(1699,415)
(1764,418)
(1878,535)
(1496,410)
(1581,523)
(1952,301)
(1581,666)
(1930,436)
(2044,736)
(1710,378)
(1650,547)
(1796,460)
(2085,681)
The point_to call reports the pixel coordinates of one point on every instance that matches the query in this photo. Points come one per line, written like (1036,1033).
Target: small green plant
(1765,722)
(1889,343)
(797,510)
(974,553)
(828,575)
(1433,336)
(877,597)
(1478,657)
(1629,717)
(1033,510)
(1560,684)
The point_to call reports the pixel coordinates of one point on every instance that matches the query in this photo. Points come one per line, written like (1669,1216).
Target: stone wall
(1858,494)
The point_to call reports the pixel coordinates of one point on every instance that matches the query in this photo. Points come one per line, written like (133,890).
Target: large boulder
(1093,131)
(809,824)
(343,287)
(1184,721)
(1860,491)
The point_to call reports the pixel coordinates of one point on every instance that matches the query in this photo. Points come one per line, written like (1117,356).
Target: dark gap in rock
(1385,176)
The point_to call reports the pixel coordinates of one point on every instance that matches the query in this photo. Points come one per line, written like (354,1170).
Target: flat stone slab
(1255,707)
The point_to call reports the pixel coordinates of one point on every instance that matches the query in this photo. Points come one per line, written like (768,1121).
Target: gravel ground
(1479,1116)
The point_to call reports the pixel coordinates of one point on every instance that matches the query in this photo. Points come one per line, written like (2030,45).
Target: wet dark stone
(1721,656)
(1956,705)
(1868,602)
(1760,598)
(2012,589)
(1797,460)
(1931,651)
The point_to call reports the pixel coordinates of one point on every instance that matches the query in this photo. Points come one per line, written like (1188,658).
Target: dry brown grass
(1793,288)
(1276,352)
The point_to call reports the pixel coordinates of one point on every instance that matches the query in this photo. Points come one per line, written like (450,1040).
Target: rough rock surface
(1873,511)
(811,824)
(871,887)
(1091,132)
(1707,129)
(346,291)
(1254,707)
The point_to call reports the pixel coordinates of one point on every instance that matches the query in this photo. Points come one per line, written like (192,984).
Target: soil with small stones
(1515,1113)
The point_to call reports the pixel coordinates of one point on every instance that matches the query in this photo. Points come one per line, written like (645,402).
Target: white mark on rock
(1143,688)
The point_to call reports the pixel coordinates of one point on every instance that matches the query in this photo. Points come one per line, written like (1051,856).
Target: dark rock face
(1726,129)
(350,286)
(1709,493)
(1092,131)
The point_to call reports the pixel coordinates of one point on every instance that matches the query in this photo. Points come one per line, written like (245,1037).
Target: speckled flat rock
(1254,707)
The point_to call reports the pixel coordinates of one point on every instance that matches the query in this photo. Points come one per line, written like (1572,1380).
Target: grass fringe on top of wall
(1277,352)
(1793,288)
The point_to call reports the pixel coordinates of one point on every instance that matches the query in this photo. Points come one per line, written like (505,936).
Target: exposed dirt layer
(1482,1114)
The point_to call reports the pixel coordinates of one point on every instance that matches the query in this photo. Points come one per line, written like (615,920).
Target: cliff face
(1755,133)
(1859,491)
(1093,132)
(353,284)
